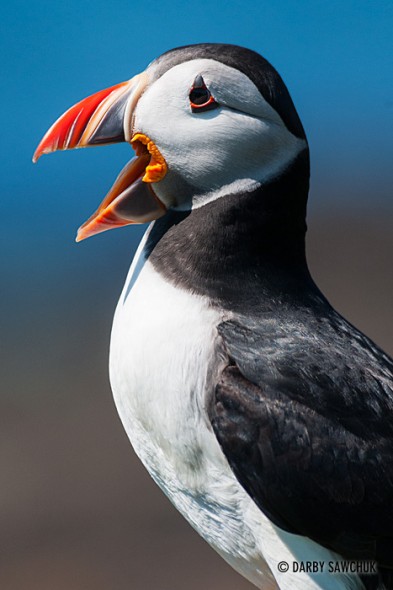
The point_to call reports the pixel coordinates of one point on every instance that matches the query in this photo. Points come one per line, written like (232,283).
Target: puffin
(263,415)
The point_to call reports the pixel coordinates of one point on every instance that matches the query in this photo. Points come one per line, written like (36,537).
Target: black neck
(244,249)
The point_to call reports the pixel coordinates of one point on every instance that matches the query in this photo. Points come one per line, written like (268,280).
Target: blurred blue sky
(335,57)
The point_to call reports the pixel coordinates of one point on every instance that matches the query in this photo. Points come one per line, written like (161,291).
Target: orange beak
(102,118)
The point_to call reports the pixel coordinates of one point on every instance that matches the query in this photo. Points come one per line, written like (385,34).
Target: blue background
(335,57)
(76,508)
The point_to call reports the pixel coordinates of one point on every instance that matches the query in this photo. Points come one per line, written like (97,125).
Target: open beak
(106,117)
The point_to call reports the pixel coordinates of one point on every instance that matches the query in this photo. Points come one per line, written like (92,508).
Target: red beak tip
(40,152)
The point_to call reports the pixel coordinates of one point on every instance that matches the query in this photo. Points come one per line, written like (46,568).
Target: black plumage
(303,410)
(301,415)
(300,401)
(254,66)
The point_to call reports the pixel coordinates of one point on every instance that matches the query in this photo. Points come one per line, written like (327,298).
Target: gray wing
(304,416)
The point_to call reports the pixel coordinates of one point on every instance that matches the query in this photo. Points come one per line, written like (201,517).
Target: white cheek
(207,151)
(229,145)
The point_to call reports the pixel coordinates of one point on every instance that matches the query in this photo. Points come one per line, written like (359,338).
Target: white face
(233,148)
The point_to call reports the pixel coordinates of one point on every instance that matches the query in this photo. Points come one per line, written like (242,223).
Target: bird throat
(240,247)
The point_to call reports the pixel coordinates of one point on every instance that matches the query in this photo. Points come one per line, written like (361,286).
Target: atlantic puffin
(264,416)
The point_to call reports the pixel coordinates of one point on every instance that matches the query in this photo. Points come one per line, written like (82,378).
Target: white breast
(164,354)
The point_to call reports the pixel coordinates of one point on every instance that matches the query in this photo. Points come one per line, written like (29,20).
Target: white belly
(164,352)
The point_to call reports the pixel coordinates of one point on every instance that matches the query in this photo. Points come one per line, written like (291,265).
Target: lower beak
(130,200)
(106,117)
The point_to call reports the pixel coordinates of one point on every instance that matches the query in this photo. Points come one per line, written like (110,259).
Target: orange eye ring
(200,97)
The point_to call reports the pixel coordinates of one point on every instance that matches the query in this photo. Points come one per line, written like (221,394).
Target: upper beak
(107,117)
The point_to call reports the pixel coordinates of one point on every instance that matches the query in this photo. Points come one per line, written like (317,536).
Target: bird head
(204,121)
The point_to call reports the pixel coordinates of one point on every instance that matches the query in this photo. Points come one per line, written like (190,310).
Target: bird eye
(200,97)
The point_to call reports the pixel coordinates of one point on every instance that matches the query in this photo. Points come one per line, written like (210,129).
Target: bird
(263,415)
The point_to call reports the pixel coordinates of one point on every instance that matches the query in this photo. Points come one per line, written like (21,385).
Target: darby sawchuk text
(331,567)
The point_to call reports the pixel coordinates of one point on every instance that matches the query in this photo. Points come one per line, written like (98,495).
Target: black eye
(200,97)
